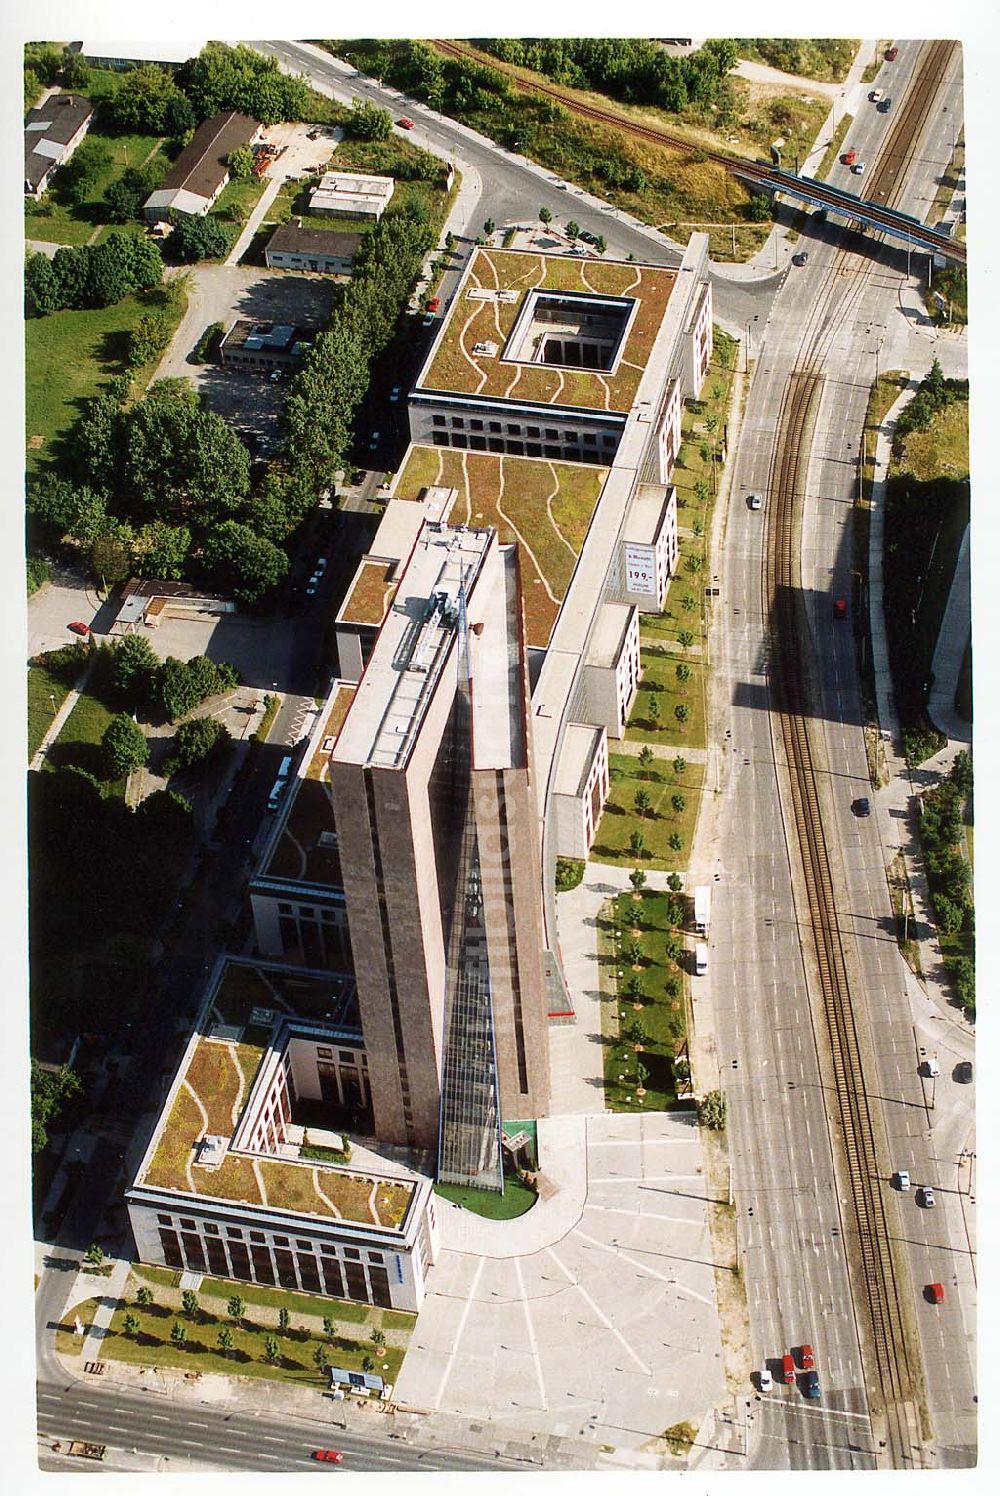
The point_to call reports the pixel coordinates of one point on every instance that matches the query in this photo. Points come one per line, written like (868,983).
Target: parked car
(312,586)
(275,376)
(858,168)
(755,501)
(434,305)
(876,95)
(862,806)
(807,1358)
(885,105)
(76,627)
(903,1179)
(394,394)
(332,1456)
(428,320)
(588,237)
(840,608)
(320,566)
(891,53)
(926,1197)
(849,158)
(375,439)
(765,1380)
(963,1070)
(935,1293)
(801,257)
(788,1369)
(812,1387)
(932,1068)
(404,123)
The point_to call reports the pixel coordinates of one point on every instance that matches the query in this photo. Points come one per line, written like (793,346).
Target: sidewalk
(255,220)
(930,994)
(55,727)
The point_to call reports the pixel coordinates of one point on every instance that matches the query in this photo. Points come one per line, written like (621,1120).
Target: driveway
(593,1315)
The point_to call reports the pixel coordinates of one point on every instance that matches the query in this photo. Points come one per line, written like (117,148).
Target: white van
(700,959)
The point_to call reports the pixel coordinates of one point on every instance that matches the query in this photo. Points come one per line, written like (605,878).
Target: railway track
(894,159)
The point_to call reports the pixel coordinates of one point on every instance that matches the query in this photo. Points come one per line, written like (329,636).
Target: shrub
(124,746)
(569,873)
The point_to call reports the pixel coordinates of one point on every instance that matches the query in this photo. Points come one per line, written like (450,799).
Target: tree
(572,229)
(489,227)
(377,1337)
(79,179)
(41,286)
(544,216)
(674,879)
(600,244)
(50,1091)
(367,1364)
(142,99)
(189,1303)
(271,1348)
(759,208)
(130,1326)
(682,712)
(200,238)
(678,803)
(236,1309)
(124,199)
(642,802)
(685,638)
(178,1333)
(179,462)
(329,1328)
(702,491)
(645,758)
(636,842)
(697,527)
(244,563)
(633,986)
(679,766)
(688,603)
(195,741)
(321,1358)
(225,1340)
(637,1032)
(94,1254)
(633,953)
(222,77)
(240,164)
(180,118)
(654,708)
(712,1111)
(683,673)
(144,1296)
(75,73)
(149,337)
(637,878)
(124,746)
(161,550)
(283,1321)
(675,841)
(961,773)
(369,122)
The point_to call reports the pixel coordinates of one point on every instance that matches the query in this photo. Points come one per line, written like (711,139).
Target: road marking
(646,1370)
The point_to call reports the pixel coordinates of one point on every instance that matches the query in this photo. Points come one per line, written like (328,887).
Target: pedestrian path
(55,727)
(255,220)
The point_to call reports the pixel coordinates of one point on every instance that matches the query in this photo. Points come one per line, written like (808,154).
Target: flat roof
(213,1085)
(645,517)
(545,506)
(488,303)
(302,846)
(413,646)
(279,337)
(580,743)
(608,637)
(370,594)
(498,685)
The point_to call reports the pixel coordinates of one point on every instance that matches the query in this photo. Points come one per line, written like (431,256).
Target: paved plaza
(592,1315)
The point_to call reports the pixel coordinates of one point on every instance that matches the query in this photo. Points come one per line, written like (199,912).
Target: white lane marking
(436,1401)
(646,1370)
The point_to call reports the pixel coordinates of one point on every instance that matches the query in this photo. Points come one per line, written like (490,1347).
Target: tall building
(408,962)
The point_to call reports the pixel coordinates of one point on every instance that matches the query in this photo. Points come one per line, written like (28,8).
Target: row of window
(514,448)
(513,428)
(239,1233)
(255,1262)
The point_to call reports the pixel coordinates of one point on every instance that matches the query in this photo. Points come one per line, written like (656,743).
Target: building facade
(323,251)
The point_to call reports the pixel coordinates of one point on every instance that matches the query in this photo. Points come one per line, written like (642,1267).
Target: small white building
(613,667)
(347,194)
(581,789)
(650,546)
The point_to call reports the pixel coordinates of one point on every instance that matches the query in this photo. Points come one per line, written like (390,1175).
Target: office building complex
(488,648)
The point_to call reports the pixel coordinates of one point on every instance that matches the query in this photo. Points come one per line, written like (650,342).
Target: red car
(788,1369)
(891,54)
(334,1456)
(849,158)
(434,305)
(404,123)
(840,608)
(808,1359)
(76,627)
(935,1292)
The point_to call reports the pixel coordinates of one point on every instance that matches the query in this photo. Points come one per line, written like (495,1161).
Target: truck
(87,1451)
(702,909)
(700,959)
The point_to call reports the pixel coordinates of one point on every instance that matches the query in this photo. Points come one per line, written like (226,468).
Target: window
(551,435)
(494,443)
(516,448)
(477,443)
(346,1056)
(571,436)
(188,1225)
(437,421)
(234,1231)
(457,423)
(513,429)
(590,439)
(553,451)
(459,441)
(281,1241)
(325,1054)
(532,431)
(164,1220)
(608,441)
(440,438)
(374,1256)
(532,449)
(475,425)
(303,1246)
(211,1230)
(256,1236)
(352,1254)
(495,426)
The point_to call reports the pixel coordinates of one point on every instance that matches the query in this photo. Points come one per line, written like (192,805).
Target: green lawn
(79,742)
(660,681)
(242,195)
(620,817)
(834,148)
(313,1307)
(42,687)
(659,1009)
(68,354)
(516,1199)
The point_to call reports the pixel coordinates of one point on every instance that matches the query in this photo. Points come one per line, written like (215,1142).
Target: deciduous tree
(124,746)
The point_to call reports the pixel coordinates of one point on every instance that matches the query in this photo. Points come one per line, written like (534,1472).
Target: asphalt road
(205,1435)
(788,1212)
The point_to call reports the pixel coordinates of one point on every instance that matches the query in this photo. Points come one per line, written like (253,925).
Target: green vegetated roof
(371,594)
(458,369)
(545,506)
(210,1100)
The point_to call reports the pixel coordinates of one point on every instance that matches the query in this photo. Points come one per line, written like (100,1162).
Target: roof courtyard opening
(570,331)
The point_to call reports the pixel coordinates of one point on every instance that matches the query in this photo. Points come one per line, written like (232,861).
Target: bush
(196,741)
(124,746)
(37,573)
(569,873)
(196,238)
(207,345)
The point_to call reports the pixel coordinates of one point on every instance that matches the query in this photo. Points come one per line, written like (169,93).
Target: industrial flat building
(348,194)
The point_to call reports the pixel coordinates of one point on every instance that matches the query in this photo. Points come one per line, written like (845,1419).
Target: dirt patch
(730,1291)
